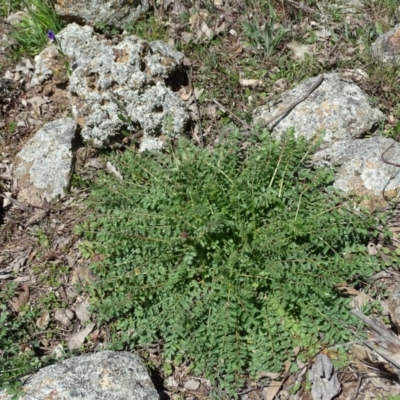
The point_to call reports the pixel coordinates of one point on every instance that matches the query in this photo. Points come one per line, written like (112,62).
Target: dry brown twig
(388,341)
(18,204)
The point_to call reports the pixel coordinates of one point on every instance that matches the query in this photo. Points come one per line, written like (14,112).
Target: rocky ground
(41,253)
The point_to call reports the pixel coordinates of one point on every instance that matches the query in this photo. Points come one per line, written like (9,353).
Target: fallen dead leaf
(113,170)
(187,62)
(63,316)
(96,162)
(281,84)
(186,37)
(205,30)
(195,134)
(82,311)
(76,341)
(361,300)
(211,110)
(193,111)
(300,50)
(220,28)
(38,216)
(392,121)
(272,390)
(184,95)
(250,82)
(38,101)
(43,320)
(7,199)
(18,262)
(197,18)
(192,384)
(171,382)
(22,298)
(347,289)
(323,34)
(198,92)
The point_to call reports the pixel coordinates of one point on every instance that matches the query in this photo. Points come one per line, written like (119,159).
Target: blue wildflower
(51,35)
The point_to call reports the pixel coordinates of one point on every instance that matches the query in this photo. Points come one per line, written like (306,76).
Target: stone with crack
(336,110)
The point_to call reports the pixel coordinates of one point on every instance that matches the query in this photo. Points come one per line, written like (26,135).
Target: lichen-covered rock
(116,87)
(43,167)
(337,109)
(104,375)
(117,13)
(361,170)
(387,47)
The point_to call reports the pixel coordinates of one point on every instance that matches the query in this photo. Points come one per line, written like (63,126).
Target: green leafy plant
(123,115)
(7,132)
(16,361)
(103,28)
(21,351)
(230,257)
(150,28)
(9,6)
(31,34)
(79,181)
(266,37)
(390,397)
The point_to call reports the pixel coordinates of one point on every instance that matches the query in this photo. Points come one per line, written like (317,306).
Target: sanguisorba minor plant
(231,257)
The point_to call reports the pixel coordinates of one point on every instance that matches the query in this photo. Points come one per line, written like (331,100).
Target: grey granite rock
(44,166)
(387,47)
(361,170)
(117,13)
(104,375)
(338,109)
